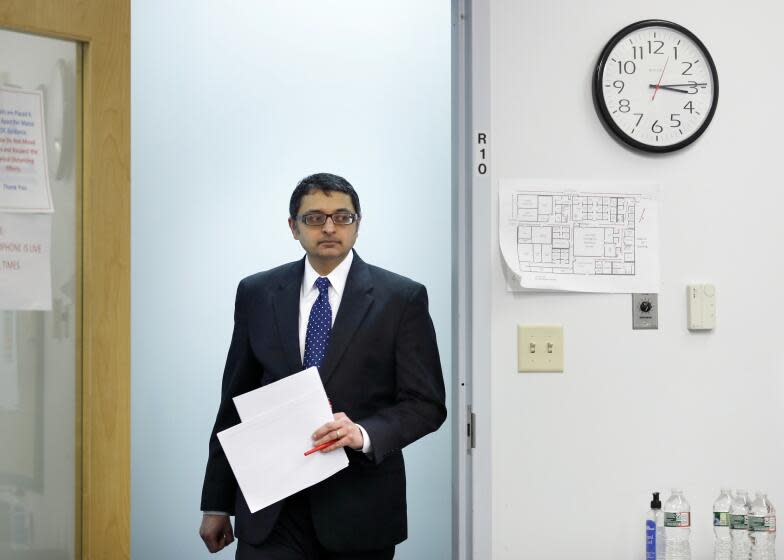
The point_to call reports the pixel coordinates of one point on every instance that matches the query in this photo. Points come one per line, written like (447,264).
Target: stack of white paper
(266,450)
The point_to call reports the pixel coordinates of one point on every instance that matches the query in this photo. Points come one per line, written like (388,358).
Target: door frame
(472,276)
(102,28)
(463,432)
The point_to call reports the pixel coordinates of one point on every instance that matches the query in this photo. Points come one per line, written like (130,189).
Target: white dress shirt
(307,297)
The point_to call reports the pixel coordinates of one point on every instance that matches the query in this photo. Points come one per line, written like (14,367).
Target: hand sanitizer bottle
(654,522)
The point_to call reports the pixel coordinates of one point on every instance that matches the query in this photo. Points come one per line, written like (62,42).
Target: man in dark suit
(370,334)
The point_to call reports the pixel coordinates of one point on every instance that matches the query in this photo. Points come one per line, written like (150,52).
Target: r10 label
(480,153)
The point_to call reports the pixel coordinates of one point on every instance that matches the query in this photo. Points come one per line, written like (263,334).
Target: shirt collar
(337,278)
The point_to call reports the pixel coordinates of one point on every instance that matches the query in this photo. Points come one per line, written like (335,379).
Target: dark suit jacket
(381,368)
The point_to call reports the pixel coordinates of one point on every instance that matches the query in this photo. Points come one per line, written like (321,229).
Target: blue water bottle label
(650,540)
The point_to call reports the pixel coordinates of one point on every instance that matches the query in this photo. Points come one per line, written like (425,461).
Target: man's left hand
(342,431)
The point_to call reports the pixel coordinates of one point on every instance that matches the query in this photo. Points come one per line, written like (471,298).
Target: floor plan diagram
(554,237)
(582,234)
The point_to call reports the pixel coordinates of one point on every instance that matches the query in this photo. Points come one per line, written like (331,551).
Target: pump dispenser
(654,525)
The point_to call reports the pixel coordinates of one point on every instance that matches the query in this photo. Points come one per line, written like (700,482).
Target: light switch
(540,348)
(701,306)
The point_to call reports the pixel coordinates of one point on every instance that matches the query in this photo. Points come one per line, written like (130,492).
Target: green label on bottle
(766,523)
(721,519)
(739,521)
(679,519)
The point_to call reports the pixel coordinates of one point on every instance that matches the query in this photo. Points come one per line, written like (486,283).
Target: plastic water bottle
(654,522)
(677,527)
(739,526)
(762,528)
(721,526)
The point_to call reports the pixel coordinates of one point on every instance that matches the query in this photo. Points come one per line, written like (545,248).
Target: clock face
(656,86)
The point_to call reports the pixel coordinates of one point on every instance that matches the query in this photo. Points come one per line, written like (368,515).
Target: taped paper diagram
(586,237)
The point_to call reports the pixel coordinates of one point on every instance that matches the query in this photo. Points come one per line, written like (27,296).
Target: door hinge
(471,428)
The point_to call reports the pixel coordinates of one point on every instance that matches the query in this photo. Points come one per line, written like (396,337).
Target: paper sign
(25,261)
(24,174)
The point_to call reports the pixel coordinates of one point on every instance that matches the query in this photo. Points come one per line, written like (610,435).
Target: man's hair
(325,182)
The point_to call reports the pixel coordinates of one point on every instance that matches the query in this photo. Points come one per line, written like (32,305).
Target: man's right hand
(216,531)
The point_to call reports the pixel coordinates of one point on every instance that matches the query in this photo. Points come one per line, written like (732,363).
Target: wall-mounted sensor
(701,306)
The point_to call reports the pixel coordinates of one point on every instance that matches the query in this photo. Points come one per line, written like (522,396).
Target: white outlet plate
(540,348)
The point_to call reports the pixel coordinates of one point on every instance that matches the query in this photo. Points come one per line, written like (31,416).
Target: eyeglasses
(319,219)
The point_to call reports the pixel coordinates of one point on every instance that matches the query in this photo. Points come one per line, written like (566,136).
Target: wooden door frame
(102,27)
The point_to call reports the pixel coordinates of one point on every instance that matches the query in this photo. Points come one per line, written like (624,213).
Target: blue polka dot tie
(319,326)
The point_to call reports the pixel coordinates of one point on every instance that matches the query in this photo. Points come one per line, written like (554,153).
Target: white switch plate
(701,303)
(540,348)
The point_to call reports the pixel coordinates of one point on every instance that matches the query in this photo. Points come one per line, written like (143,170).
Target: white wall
(575,455)
(233,103)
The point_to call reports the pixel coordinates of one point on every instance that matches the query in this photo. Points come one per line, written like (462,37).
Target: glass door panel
(39,463)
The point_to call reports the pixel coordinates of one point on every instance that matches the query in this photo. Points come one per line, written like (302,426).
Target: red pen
(319,447)
(323,445)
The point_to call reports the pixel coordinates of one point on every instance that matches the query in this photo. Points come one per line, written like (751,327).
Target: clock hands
(689,84)
(658,84)
(675,87)
(670,88)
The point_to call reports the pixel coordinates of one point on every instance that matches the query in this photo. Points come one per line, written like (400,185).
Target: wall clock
(655,86)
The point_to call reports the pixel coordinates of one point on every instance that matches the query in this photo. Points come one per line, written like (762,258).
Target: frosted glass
(38,349)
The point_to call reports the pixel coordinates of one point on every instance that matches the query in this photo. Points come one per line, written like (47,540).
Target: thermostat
(701,306)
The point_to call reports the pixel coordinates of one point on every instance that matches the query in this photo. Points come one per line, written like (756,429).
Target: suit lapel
(354,304)
(286,306)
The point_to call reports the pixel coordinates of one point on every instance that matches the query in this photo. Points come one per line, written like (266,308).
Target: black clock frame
(598,90)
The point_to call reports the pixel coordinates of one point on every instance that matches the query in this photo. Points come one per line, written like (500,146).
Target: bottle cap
(655,502)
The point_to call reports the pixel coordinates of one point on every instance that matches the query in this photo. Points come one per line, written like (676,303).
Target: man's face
(327,244)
